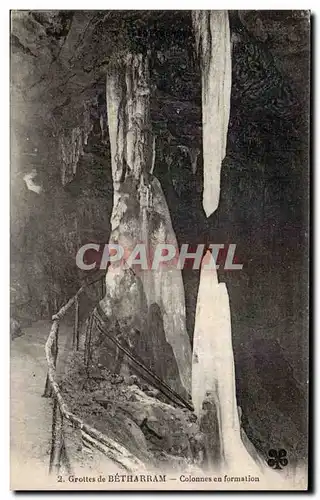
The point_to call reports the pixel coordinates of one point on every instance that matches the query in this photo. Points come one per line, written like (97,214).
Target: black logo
(277,459)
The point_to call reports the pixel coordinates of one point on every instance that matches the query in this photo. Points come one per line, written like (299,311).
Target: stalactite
(71,149)
(71,146)
(212,36)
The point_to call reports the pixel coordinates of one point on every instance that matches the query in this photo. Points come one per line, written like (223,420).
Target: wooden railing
(62,416)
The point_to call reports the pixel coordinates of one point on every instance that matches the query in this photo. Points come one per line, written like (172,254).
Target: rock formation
(213,46)
(140,216)
(213,380)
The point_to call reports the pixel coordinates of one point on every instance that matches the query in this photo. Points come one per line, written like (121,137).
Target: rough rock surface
(162,435)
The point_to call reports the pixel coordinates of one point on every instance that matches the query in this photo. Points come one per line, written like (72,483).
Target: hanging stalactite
(71,146)
(212,36)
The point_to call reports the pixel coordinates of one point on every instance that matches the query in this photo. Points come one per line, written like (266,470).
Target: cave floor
(31,414)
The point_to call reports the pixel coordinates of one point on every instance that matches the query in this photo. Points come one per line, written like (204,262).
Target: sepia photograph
(159,250)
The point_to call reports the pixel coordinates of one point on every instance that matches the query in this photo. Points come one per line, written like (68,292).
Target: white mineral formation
(140,213)
(212,35)
(213,364)
(31,185)
(71,146)
(213,369)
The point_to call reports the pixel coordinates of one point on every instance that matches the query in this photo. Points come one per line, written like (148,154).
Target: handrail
(160,384)
(113,450)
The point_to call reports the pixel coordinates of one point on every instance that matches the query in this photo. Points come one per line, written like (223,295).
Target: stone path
(31,414)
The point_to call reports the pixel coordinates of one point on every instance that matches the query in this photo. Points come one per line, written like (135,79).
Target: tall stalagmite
(150,301)
(213,377)
(213,364)
(212,35)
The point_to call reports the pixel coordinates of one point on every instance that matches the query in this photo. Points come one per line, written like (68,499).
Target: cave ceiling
(59,61)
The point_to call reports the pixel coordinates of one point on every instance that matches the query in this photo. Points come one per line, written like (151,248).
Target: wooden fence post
(88,340)
(103,288)
(57,439)
(47,393)
(76,339)
(56,346)
(58,455)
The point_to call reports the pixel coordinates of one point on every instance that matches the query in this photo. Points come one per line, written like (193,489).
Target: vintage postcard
(159,249)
